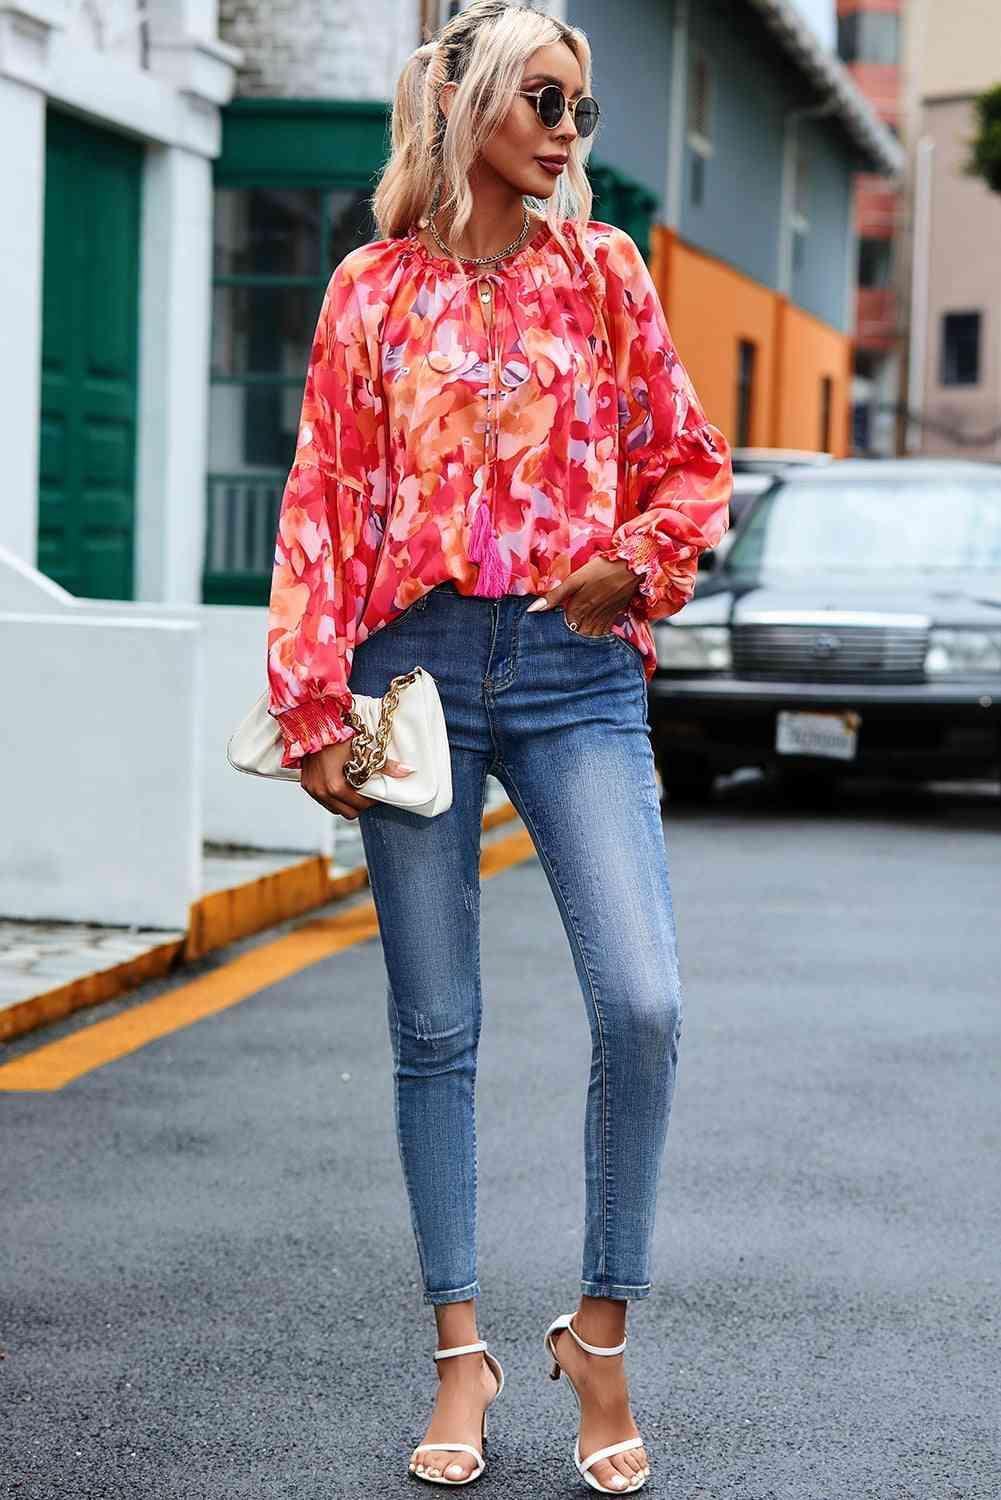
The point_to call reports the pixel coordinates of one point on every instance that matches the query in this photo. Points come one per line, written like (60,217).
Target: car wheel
(684,777)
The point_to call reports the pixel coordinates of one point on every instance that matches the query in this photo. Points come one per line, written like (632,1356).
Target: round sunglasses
(551,105)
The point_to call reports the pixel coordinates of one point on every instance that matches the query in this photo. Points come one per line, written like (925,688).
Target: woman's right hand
(322,775)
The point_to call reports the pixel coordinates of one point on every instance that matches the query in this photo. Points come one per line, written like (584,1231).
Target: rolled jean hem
(612,1289)
(456,1294)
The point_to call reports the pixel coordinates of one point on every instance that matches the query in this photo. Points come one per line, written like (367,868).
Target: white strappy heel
(495,1365)
(584,1466)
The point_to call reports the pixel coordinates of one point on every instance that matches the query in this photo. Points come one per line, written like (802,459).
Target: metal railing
(241,521)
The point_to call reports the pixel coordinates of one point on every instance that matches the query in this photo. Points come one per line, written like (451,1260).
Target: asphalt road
(209,1286)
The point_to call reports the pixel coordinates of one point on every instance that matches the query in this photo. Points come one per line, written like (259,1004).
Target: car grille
(829,653)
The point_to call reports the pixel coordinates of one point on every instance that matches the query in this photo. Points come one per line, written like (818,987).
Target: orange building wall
(710,307)
(811,349)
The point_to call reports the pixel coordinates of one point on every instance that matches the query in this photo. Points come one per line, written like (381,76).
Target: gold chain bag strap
(407,724)
(369,752)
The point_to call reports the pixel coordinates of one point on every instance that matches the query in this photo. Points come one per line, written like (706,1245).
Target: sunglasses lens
(586,116)
(552,105)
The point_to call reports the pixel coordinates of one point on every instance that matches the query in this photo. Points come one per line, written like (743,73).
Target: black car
(755,468)
(853,627)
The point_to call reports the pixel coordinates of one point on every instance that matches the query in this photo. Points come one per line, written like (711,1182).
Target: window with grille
(869,37)
(274,250)
(875,262)
(700,146)
(799,218)
(699,97)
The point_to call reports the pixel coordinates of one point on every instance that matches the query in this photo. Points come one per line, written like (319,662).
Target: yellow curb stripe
(220,917)
(57,1063)
(504,812)
(89,989)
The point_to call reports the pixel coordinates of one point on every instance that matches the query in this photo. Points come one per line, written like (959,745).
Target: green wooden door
(90,322)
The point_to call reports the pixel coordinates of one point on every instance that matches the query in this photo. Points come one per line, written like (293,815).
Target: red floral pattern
(499,437)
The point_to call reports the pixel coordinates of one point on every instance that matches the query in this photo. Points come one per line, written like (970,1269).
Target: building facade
(869,44)
(110,114)
(950,273)
(749,137)
(184,178)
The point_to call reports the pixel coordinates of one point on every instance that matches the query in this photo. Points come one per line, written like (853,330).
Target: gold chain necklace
(482,260)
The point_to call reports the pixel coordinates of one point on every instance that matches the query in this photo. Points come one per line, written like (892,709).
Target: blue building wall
(753,85)
(631,77)
(819,283)
(738,218)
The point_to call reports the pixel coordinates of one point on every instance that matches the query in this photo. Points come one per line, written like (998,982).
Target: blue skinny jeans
(560,719)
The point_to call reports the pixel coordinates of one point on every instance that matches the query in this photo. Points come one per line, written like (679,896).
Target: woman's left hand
(599,591)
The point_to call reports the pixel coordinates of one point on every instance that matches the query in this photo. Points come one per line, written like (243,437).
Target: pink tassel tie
(493,578)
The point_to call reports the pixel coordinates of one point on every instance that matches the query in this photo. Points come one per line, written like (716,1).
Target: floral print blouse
(499,437)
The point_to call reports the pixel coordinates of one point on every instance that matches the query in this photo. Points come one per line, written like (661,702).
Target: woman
(503,474)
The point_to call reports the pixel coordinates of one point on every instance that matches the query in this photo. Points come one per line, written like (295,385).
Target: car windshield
(872,526)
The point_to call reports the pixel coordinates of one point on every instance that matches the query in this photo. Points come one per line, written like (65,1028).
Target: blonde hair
(483,50)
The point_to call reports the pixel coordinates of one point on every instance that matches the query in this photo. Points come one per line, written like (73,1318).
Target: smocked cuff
(312,725)
(660,582)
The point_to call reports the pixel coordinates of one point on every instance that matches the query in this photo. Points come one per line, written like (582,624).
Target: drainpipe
(851,268)
(920,276)
(676,126)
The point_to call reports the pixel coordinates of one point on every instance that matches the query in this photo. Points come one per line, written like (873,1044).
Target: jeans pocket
(607,637)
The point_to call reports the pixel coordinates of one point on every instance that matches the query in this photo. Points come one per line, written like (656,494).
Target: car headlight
(694,648)
(968,653)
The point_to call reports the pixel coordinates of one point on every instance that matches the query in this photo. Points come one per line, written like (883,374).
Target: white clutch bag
(407,724)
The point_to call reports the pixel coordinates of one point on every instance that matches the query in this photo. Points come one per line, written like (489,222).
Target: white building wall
(99,825)
(152,694)
(949,236)
(175,295)
(22,185)
(309,49)
(335,49)
(162,84)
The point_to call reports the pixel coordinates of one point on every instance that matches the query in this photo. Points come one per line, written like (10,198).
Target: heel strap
(460,1349)
(564,1322)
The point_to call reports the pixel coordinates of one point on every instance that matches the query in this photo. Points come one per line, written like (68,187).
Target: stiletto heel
(495,1366)
(583,1466)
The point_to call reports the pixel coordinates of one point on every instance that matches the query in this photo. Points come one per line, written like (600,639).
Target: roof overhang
(832,81)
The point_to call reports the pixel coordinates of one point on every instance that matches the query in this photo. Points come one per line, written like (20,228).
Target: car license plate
(829,734)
